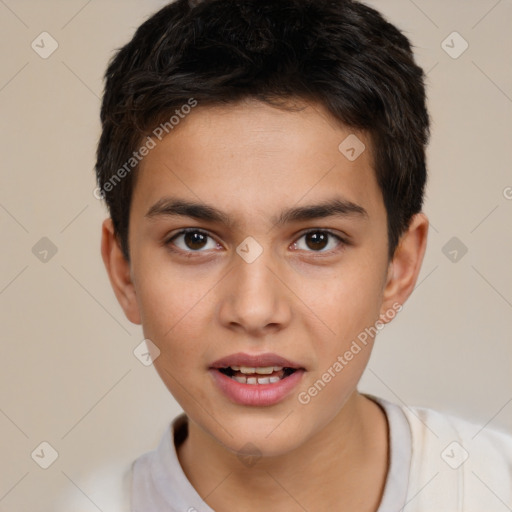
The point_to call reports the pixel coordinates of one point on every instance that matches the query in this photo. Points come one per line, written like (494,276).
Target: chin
(263,438)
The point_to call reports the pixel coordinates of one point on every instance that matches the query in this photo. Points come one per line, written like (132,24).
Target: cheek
(173,310)
(354,299)
(175,323)
(166,296)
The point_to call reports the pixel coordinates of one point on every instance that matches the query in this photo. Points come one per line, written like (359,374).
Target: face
(255,243)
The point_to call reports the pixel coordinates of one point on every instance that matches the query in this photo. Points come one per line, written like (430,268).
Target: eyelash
(169,242)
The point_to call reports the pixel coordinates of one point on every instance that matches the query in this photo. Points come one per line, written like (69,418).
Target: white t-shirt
(437,463)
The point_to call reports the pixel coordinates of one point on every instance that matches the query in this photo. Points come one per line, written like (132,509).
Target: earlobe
(405,267)
(119,272)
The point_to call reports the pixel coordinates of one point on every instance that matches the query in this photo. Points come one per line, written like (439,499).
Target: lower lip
(256,394)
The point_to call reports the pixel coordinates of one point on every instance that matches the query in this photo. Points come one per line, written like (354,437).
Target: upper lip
(254,360)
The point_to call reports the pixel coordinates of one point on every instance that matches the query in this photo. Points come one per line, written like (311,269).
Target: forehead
(252,158)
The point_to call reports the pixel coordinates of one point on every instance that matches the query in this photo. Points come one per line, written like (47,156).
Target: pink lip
(256,394)
(267,359)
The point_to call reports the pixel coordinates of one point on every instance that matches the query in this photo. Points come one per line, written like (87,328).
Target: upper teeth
(262,370)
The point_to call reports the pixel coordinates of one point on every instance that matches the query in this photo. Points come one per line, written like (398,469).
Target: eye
(192,240)
(318,241)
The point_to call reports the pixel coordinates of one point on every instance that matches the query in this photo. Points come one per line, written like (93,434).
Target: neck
(343,467)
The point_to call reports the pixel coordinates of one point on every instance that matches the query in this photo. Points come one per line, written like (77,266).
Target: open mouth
(256,380)
(257,375)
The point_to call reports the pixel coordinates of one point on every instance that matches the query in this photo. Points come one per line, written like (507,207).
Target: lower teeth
(256,380)
(259,379)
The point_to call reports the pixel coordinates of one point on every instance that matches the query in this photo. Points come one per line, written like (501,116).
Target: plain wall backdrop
(68,375)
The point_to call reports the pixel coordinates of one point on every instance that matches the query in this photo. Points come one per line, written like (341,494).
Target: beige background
(68,375)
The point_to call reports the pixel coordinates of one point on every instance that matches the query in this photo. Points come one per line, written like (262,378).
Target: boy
(264,167)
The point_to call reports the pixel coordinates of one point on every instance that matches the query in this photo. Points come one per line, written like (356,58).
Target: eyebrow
(170,207)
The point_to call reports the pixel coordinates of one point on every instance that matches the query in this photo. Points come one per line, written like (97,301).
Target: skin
(253,161)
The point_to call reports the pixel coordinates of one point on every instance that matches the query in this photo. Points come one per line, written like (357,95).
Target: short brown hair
(339,53)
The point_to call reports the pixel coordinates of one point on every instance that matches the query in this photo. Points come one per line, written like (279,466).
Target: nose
(254,301)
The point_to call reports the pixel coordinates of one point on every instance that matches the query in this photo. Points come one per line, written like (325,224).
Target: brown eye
(192,240)
(195,240)
(318,241)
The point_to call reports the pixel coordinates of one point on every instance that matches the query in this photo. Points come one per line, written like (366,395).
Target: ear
(405,266)
(118,270)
